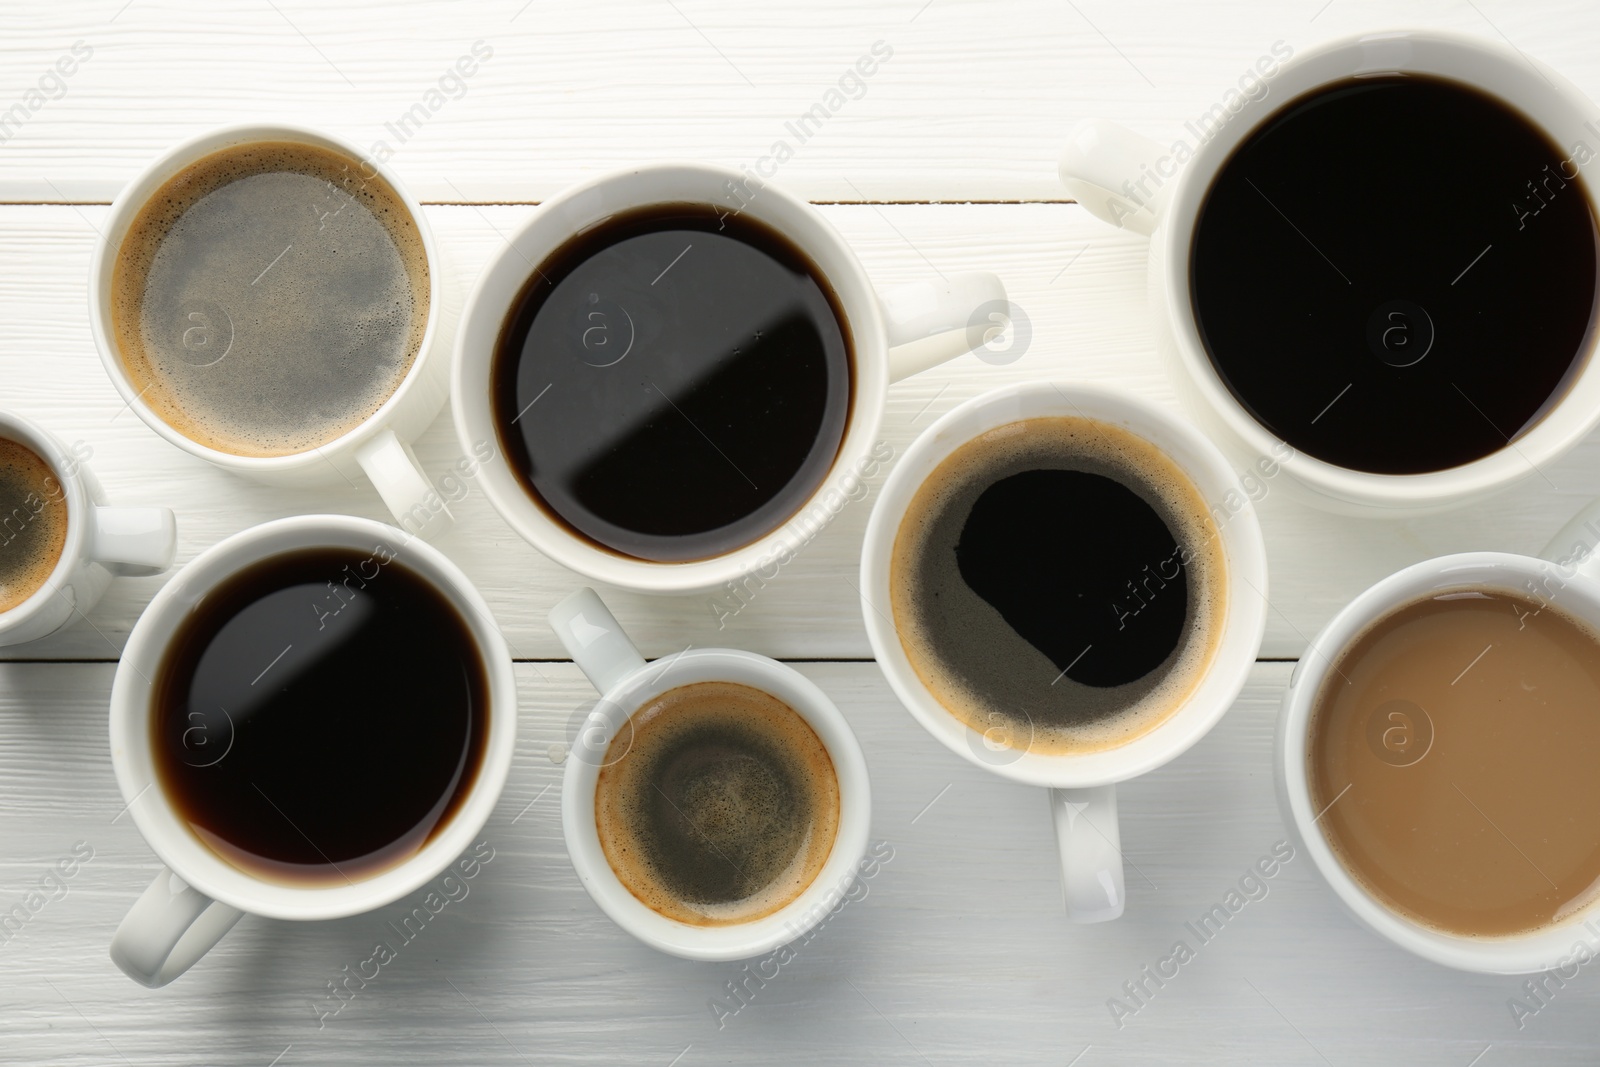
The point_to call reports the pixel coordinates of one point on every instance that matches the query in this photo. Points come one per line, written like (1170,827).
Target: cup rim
(508,267)
(43,444)
(735,941)
(133,197)
(1408,493)
(1525,953)
(177,847)
(1244,550)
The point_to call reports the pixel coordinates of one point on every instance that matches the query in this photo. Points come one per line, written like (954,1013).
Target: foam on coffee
(33,522)
(1042,690)
(718,804)
(269,298)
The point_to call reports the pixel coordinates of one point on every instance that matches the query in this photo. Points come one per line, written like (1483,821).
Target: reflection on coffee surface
(33,522)
(269,298)
(718,804)
(1452,754)
(1396,273)
(674,382)
(320,716)
(1058,585)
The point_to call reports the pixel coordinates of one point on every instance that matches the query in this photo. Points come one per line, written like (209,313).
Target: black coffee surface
(33,522)
(320,715)
(673,384)
(1057,584)
(1396,274)
(718,804)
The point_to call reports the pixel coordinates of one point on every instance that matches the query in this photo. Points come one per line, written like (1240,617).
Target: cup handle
(1577,542)
(594,639)
(1103,166)
(922,319)
(399,479)
(133,542)
(1091,852)
(168,929)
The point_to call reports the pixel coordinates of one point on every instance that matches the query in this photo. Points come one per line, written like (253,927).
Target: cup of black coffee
(679,364)
(1067,587)
(311,720)
(1377,257)
(715,802)
(267,297)
(60,545)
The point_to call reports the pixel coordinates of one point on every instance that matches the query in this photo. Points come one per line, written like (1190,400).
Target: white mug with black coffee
(679,363)
(1065,586)
(268,299)
(60,545)
(715,803)
(1375,262)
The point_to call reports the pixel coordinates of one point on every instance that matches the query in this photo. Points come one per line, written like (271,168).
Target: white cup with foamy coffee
(1065,586)
(715,803)
(266,297)
(60,545)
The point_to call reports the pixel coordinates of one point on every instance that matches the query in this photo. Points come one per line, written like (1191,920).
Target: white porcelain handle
(932,322)
(1577,542)
(1107,169)
(398,477)
(1091,852)
(133,542)
(168,929)
(594,639)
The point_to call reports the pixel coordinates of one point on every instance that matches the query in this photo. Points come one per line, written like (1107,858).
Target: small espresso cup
(198,896)
(379,447)
(100,542)
(1083,798)
(1143,185)
(627,683)
(1566,575)
(890,337)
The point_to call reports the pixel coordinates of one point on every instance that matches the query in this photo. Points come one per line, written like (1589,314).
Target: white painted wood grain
(1080,286)
(959,953)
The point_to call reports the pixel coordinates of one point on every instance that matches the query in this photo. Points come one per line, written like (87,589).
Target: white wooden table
(959,953)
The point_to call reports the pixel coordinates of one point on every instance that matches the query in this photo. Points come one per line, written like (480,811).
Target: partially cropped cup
(267,297)
(1065,586)
(715,802)
(60,545)
(683,369)
(1311,311)
(312,719)
(1435,756)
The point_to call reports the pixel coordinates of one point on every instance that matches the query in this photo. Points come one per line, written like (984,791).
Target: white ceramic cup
(892,337)
(198,896)
(1083,797)
(380,447)
(1568,576)
(626,683)
(1104,163)
(101,541)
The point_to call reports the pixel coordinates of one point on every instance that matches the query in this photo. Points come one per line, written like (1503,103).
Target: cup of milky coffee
(1065,586)
(715,803)
(60,545)
(312,719)
(266,297)
(684,369)
(1436,755)
(1374,259)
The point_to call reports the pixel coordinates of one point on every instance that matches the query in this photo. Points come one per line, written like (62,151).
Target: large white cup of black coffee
(1066,586)
(683,367)
(715,802)
(60,545)
(1374,261)
(312,719)
(1436,754)
(267,298)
